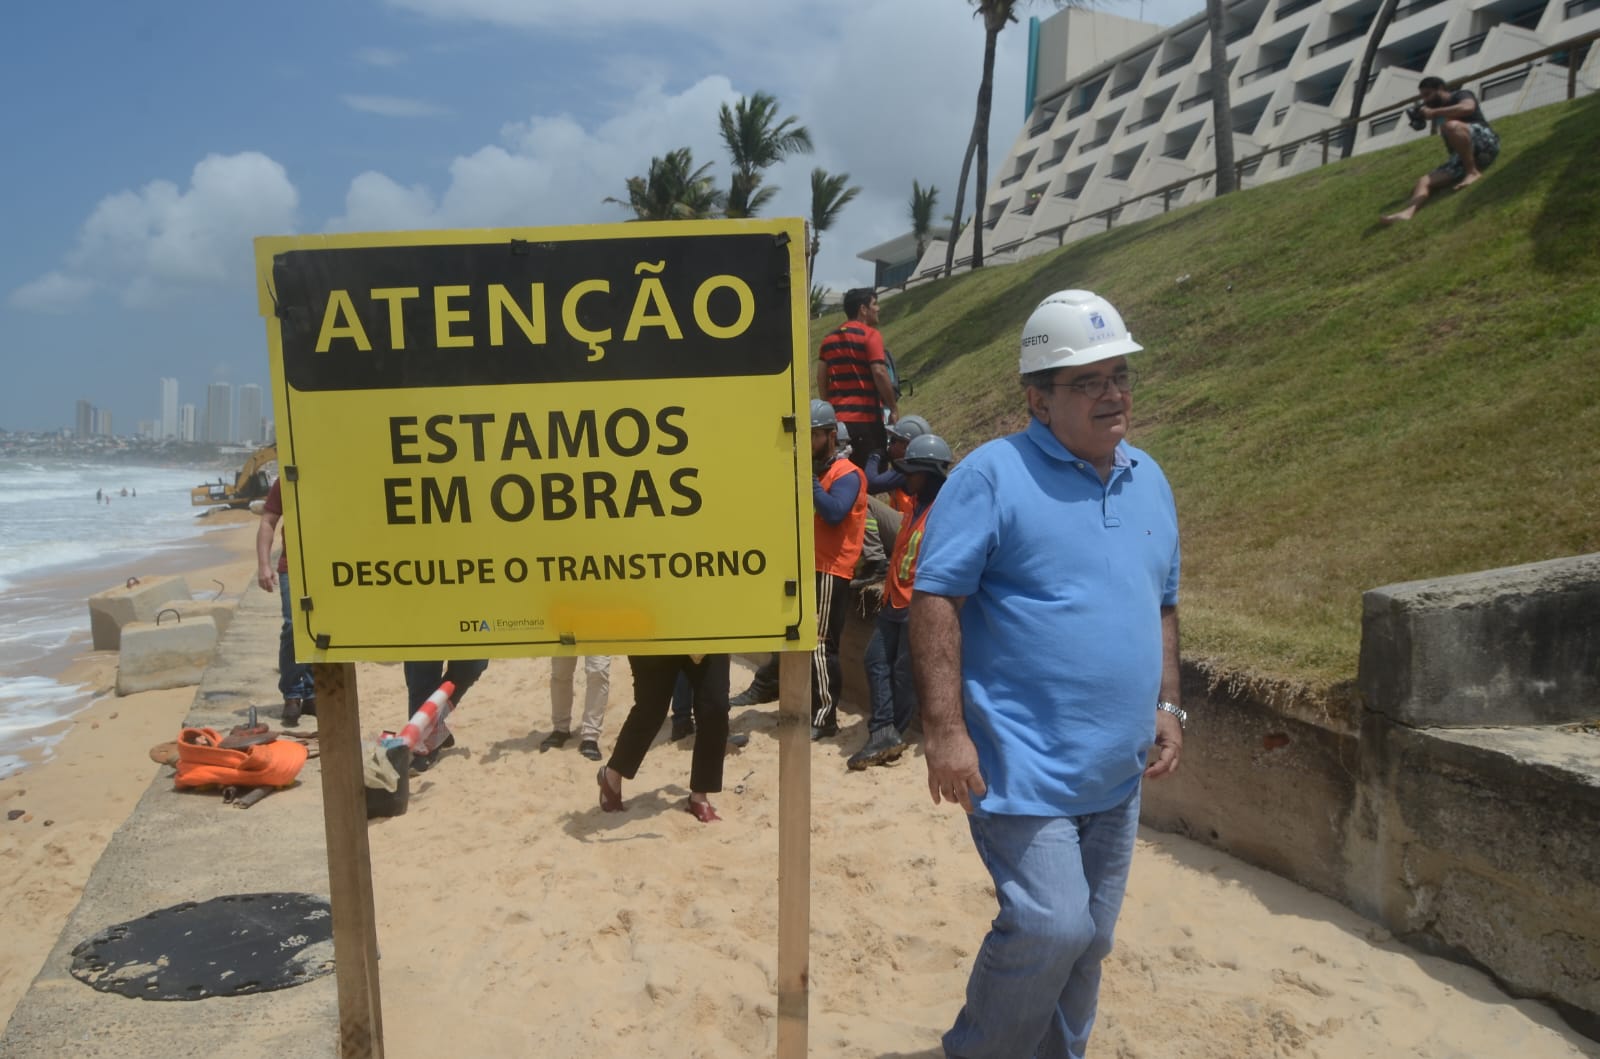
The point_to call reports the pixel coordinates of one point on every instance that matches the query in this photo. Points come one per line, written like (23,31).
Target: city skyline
(227,416)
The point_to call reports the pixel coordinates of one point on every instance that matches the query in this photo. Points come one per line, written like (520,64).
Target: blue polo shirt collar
(1051,446)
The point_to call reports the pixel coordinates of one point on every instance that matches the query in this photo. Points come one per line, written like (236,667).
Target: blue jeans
(294,678)
(1036,979)
(424,678)
(888,665)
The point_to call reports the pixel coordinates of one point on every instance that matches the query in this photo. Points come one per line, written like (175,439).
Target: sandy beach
(516,919)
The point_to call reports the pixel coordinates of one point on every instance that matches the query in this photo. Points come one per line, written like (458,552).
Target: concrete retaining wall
(171,655)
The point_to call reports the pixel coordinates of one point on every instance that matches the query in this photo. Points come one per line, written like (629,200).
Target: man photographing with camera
(1472,144)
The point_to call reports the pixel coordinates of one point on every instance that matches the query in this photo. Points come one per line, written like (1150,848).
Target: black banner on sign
(389,317)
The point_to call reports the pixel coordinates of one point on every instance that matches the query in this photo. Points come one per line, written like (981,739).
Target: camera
(1414,116)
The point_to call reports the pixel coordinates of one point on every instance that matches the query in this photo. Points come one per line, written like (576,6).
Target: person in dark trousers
(888,658)
(853,376)
(654,677)
(839,494)
(423,679)
(1472,143)
(294,678)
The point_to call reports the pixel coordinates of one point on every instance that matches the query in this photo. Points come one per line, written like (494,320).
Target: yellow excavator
(251,483)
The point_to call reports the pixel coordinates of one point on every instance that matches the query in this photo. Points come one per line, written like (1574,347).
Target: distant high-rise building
(249,429)
(269,432)
(148,428)
(219,413)
(85,419)
(102,422)
(186,422)
(168,427)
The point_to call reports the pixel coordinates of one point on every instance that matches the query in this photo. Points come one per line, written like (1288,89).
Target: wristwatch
(1176,711)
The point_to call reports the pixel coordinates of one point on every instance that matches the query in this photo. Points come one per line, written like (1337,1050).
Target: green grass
(1363,406)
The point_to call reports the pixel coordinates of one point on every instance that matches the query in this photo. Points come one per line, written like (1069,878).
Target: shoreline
(81,782)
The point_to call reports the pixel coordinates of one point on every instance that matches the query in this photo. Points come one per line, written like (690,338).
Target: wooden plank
(344,816)
(794,852)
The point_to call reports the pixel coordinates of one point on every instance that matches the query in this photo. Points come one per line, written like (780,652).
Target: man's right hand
(953,773)
(267,578)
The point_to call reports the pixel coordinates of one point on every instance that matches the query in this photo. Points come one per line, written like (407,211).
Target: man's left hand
(1168,747)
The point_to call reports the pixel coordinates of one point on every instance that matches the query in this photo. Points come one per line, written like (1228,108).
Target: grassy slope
(1365,406)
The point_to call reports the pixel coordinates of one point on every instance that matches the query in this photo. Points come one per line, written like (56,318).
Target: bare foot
(1394,218)
(1468,180)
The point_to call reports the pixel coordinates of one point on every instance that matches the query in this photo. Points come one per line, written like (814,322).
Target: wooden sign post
(794,852)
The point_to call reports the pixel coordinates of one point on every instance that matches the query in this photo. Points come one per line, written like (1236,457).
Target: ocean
(59,545)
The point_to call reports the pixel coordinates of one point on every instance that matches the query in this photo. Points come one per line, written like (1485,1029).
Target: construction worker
(839,494)
(925,465)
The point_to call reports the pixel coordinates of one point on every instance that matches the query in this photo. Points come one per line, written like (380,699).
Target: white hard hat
(1071,328)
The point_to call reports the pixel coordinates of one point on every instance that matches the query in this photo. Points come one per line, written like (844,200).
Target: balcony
(1051,163)
(1073,192)
(1263,71)
(1278,116)
(1467,46)
(1575,8)
(1181,62)
(1122,90)
(1504,85)
(1081,108)
(1412,8)
(1092,144)
(1289,7)
(1194,101)
(1337,39)
(1008,181)
(1380,126)
(1041,126)
(1142,123)
(1122,173)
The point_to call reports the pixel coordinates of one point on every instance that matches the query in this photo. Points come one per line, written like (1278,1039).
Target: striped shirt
(849,354)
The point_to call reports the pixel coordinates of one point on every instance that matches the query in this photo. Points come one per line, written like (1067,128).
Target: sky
(149,143)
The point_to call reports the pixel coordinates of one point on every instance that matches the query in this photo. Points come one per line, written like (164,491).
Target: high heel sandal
(610,797)
(702,811)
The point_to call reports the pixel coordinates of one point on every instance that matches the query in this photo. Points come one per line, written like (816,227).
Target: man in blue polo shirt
(1044,634)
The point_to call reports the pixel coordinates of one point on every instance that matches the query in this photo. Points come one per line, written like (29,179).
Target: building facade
(219,413)
(249,428)
(186,419)
(1135,119)
(168,427)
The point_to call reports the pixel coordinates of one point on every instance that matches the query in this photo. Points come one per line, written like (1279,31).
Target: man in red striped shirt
(853,376)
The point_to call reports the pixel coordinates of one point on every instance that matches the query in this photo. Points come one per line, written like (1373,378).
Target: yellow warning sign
(512,442)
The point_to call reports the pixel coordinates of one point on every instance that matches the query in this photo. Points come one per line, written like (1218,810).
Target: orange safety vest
(902,502)
(839,546)
(903,564)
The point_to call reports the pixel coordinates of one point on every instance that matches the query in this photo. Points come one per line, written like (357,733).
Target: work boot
(883,746)
(753,696)
(590,748)
(292,708)
(554,741)
(825,732)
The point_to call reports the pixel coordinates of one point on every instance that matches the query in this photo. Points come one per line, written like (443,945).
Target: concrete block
(219,611)
(173,654)
(1519,645)
(111,610)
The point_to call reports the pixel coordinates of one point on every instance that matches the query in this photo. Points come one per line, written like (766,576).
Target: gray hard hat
(822,414)
(928,453)
(908,427)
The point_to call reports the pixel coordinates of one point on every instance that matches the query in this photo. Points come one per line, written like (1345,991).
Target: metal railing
(1051,163)
(1578,7)
(1263,71)
(1328,140)
(1122,90)
(1412,8)
(1289,8)
(1142,123)
(1467,46)
(1092,144)
(1194,101)
(1173,64)
(1337,39)
(1042,125)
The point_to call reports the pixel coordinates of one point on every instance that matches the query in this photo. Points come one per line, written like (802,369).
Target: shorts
(1485,149)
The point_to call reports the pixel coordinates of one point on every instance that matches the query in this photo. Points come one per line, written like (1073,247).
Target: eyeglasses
(1099,386)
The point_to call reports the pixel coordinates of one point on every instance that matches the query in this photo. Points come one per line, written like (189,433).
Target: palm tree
(673,190)
(995,14)
(829,195)
(756,140)
(1221,101)
(1380,26)
(923,202)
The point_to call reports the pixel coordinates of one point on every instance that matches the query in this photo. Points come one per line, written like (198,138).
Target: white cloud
(540,14)
(53,292)
(549,170)
(148,243)
(380,56)
(395,106)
